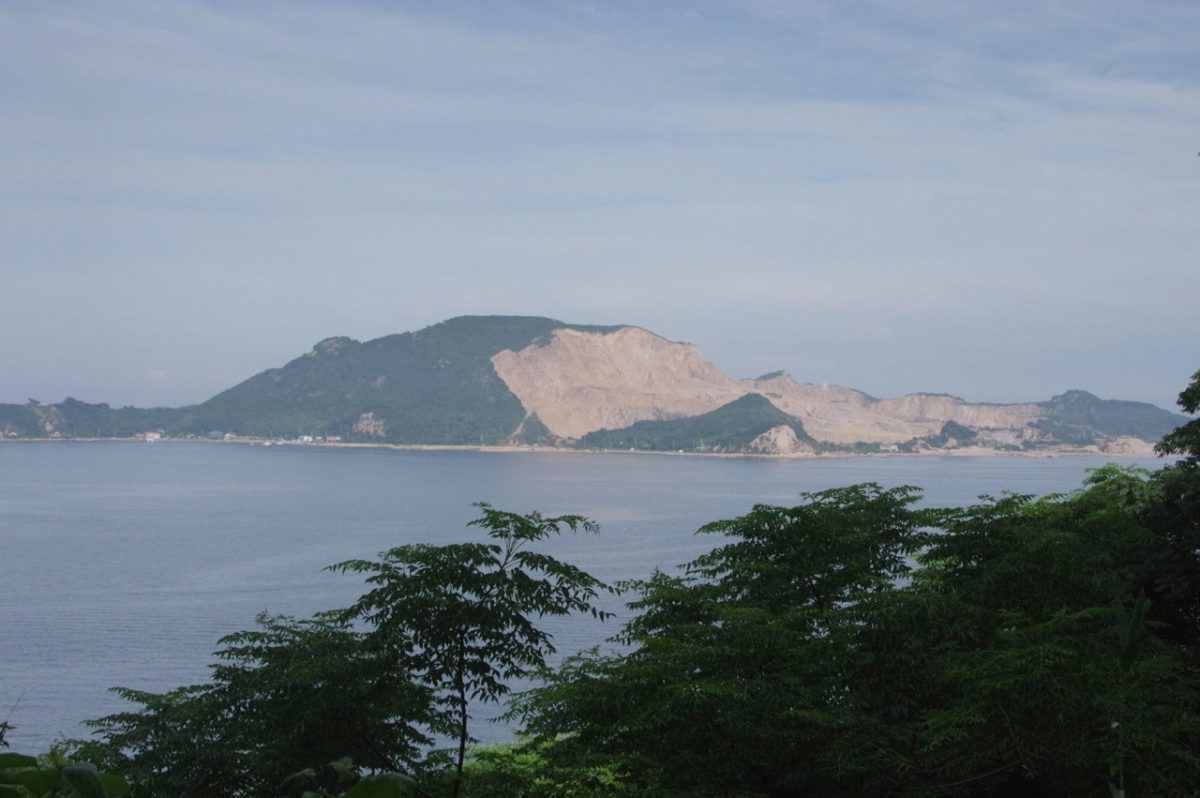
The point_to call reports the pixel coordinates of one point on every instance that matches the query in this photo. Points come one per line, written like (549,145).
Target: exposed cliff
(435,385)
(524,379)
(844,416)
(584,381)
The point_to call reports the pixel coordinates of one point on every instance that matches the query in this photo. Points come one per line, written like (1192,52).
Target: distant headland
(495,381)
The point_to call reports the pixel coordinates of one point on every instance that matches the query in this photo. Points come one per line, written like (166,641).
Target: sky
(995,200)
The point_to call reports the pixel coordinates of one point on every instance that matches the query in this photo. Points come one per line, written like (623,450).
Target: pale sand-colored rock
(942,408)
(842,415)
(370,424)
(1127,446)
(778,440)
(580,381)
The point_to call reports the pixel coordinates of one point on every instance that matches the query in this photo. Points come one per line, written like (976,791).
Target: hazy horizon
(990,200)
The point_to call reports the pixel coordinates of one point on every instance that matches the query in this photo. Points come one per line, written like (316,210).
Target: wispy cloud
(214,187)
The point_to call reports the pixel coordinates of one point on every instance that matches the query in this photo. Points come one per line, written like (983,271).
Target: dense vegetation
(75,419)
(1078,416)
(952,433)
(855,644)
(436,385)
(729,428)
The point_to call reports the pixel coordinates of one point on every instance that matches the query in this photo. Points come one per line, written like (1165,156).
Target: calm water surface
(121,563)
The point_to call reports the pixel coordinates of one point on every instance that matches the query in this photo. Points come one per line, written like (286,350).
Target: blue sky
(996,200)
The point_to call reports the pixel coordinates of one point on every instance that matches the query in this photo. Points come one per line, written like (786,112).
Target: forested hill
(485,380)
(436,385)
(748,424)
(1079,415)
(72,418)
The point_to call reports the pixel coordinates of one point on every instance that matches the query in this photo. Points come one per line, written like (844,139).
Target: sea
(123,562)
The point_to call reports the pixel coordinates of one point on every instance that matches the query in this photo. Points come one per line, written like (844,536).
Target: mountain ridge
(489,380)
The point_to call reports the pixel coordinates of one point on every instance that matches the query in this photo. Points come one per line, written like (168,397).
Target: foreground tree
(1173,515)
(853,645)
(736,681)
(55,776)
(809,656)
(1185,439)
(462,618)
(372,688)
(285,696)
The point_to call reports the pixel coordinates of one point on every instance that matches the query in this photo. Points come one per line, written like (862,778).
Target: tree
(1185,439)
(734,680)
(857,645)
(285,696)
(55,775)
(1174,516)
(368,688)
(462,618)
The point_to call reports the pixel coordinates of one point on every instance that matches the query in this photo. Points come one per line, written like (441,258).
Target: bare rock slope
(579,381)
(584,381)
(479,380)
(840,415)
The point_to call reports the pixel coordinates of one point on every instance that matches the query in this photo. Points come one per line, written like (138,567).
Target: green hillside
(436,385)
(18,420)
(72,418)
(1080,417)
(729,428)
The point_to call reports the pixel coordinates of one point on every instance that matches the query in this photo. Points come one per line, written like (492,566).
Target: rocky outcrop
(370,425)
(1127,446)
(49,418)
(477,380)
(578,382)
(838,415)
(778,440)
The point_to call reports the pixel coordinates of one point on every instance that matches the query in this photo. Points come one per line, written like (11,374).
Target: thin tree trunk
(461,687)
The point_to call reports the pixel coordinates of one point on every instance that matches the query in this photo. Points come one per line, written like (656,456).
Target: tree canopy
(857,643)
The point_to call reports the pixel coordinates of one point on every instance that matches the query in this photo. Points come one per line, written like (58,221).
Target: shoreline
(1143,451)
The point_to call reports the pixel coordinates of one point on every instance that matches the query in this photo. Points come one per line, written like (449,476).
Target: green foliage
(374,685)
(281,697)
(952,431)
(729,428)
(19,421)
(1173,513)
(533,432)
(504,771)
(1079,417)
(72,418)
(55,775)
(348,782)
(728,688)
(808,656)
(83,420)
(436,385)
(1185,439)
(461,617)
(855,644)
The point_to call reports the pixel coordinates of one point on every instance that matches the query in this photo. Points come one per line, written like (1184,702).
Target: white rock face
(778,440)
(1126,445)
(581,381)
(370,424)
(843,415)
